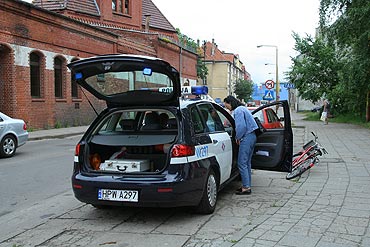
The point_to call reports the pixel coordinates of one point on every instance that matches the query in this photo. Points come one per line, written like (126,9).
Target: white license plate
(118,195)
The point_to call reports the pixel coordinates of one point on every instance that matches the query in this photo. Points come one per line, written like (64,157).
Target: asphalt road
(39,170)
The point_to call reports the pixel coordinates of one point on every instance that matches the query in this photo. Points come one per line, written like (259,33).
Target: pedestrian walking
(245,127)
(326,110)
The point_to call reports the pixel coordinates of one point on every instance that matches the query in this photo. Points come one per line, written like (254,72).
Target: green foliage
(202,70)
(244,89)
(314,72)
(189,43)
(336,63)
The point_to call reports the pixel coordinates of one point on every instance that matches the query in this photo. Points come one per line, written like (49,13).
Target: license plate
(118,195)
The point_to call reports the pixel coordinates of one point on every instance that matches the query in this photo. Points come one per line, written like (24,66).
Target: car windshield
(111,83)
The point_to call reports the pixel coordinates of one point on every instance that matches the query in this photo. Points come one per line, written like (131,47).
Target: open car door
(274,147)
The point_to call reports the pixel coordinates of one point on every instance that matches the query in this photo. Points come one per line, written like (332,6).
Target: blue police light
(78,75)
(147,71)
(199,90)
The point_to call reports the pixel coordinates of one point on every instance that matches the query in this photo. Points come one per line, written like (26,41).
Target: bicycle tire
(300,169)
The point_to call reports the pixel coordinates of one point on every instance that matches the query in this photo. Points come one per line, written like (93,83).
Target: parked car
(127,157)
(317,109)
(267,116)
(13,134)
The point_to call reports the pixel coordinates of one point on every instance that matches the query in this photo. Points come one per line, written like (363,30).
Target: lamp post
(277,69)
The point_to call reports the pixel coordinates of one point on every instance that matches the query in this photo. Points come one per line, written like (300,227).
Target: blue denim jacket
(244,122)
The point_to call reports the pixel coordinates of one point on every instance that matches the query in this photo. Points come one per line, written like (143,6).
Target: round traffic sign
(269,84)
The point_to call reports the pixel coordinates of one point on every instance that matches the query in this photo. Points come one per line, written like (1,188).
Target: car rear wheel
(208,202)
(8,146)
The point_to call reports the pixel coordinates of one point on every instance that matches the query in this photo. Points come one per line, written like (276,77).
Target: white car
(13,134)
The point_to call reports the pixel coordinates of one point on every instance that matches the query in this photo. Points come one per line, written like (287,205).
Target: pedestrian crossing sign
(269,95)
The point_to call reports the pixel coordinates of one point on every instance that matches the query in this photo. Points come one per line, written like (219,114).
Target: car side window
(197,121)
(272,116)
(259,115)
(211,118)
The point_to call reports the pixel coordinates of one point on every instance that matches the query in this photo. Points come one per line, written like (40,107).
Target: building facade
(224,70)
(38,40)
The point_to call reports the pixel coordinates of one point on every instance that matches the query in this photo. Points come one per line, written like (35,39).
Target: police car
(153,147)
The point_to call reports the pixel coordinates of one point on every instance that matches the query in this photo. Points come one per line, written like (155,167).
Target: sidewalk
(329,206)
(56,133)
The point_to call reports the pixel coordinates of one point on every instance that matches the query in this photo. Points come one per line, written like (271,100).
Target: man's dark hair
(234,102)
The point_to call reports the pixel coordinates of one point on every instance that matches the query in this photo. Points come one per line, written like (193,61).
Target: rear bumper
(170,190)
(22,139)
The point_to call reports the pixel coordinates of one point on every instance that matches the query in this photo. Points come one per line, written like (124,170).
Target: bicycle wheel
(301,168)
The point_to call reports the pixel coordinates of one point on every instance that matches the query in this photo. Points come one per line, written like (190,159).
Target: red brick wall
(24,29)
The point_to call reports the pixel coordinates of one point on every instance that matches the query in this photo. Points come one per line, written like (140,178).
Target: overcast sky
(238,26)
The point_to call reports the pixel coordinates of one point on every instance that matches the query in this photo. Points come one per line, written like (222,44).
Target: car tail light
(180,150)
(77,150)
(24,126)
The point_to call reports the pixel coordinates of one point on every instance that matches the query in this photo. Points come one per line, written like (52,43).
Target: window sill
(61,100)
(121,14)
(38,100)
(76,100)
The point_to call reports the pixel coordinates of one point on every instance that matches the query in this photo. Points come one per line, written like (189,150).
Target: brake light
(77,150)
(180,150)
(24,126)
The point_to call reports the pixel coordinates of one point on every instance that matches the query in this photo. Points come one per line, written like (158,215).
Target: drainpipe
(180,62)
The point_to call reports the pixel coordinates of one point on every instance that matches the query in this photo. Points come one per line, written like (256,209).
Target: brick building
(38,40)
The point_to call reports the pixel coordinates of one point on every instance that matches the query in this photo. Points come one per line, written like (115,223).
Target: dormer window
(121,6)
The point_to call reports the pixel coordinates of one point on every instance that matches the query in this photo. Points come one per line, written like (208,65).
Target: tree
(336,63)
(314,71)
(189,43)
(244,89)
(346,25)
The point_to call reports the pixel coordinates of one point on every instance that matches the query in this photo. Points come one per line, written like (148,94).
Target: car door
(216,140)
(274,148)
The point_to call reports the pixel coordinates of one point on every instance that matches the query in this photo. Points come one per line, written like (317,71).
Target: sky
(239,26)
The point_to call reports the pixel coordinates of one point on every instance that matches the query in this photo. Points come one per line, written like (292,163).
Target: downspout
(180,62)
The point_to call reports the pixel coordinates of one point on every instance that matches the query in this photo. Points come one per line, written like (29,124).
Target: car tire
(8,146)
(208,202)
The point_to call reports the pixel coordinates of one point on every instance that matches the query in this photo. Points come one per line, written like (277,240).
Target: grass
(345,118)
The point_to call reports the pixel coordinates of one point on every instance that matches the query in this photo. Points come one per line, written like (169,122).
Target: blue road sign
(269,95)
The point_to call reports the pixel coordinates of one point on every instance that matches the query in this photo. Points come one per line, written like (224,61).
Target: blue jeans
(245,158)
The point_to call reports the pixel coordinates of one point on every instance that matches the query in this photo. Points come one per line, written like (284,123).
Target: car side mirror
(281,119)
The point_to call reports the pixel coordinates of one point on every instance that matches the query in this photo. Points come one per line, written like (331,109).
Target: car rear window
(112,83)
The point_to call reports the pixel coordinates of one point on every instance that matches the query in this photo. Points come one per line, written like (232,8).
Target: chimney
(147,23)
(214,46)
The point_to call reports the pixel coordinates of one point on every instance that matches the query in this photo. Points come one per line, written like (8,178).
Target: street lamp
(277,69)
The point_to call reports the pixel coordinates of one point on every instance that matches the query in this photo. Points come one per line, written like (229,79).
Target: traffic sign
(269,84)
(269,95)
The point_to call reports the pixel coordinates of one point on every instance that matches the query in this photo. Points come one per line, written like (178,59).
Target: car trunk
(131,142)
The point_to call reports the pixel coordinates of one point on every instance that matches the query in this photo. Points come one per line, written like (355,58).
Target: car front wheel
(208,202)
(8,146)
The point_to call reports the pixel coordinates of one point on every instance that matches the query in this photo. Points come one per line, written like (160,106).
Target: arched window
(58,77)
(74,87)
(35,75)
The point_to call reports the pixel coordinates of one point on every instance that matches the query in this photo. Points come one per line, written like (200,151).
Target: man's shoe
(245,192)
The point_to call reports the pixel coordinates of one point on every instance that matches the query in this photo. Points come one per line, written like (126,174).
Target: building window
(121,6)
(35,75)
(114,5)
(74,89)
(58,78)
(126,9)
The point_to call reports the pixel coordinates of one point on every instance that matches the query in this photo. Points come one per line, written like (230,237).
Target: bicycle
(306,158)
